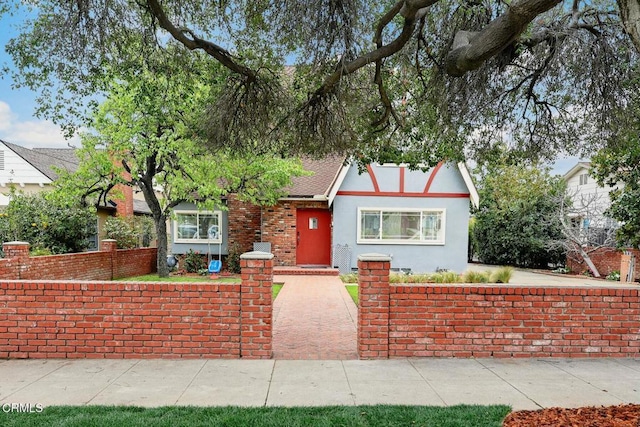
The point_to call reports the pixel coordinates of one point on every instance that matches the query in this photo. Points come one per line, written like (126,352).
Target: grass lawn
(179,279)
(353,291)
(379,415)
(275,290)
(186,279)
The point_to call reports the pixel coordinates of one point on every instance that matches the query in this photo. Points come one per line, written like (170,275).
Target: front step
(305,271)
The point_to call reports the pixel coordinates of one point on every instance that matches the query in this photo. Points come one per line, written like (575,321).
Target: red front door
(314,237)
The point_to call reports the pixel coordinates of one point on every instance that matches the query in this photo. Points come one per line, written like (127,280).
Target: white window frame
(584,179)
(381,241)
(197,213)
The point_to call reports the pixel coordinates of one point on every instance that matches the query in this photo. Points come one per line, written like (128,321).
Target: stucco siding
(389,187)
(419,258)
(204,248)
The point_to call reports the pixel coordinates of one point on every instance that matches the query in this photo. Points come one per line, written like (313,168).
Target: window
(405,226)
(1,160)
(584,178)
(197,227)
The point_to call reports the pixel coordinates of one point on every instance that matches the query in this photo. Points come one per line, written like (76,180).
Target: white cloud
(31,133)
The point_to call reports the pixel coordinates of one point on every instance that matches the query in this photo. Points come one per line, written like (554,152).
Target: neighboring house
(589,203)
(34,170)
(418,218)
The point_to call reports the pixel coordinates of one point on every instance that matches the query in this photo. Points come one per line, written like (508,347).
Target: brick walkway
(314,318)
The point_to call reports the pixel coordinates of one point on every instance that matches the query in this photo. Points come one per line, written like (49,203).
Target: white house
(590,202)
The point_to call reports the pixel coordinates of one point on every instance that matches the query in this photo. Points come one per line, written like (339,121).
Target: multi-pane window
(401,226)
(195,227)
(584,178)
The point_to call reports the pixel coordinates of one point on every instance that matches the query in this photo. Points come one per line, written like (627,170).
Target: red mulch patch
(591,416)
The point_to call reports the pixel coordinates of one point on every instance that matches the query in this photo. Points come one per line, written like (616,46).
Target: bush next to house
(122,230)
(48,224)
(518,222)
(130,232)
(193,262)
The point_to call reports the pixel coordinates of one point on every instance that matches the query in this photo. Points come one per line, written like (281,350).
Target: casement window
(197,227)
(401,226)
(584,178)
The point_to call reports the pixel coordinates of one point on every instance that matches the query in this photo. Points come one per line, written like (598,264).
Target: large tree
(406,80)
(618,166)
(519,218)
(145,135)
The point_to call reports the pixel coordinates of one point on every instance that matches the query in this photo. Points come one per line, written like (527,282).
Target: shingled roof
(325,171)
(46,159)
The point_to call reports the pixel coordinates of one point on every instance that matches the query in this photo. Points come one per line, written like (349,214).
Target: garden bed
(613,416)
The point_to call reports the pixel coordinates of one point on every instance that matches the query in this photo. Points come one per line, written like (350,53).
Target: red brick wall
(279,228)
(257,308)
(103,265)
(45,319)
(429,320)
(606,261)
(373,309)
(244,224)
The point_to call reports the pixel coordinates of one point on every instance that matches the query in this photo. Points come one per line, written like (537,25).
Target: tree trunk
(630,15)
(161,232)
(160,221)
(590,263)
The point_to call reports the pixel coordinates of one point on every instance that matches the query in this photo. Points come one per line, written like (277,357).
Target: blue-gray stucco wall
(419,258)
(204,248)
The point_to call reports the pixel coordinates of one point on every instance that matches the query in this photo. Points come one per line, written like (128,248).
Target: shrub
(193,262)
(47,223)
(349,278)
(614,275)
(502,275)
(475,277)
(233,259)
(40,251)
(445,277)
(146,229)
(122,230)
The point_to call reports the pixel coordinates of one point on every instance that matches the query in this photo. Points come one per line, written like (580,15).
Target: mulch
(591,416)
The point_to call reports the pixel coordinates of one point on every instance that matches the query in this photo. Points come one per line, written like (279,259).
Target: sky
(19,125)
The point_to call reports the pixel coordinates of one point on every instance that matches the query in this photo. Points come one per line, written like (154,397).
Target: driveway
(523,276)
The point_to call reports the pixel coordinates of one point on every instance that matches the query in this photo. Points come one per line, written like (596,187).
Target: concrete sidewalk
(521,383)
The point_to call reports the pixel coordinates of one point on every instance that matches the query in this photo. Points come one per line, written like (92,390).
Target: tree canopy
(146,135)
(519,218)
(408,80)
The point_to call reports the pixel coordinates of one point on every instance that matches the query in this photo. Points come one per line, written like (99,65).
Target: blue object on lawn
(215,266)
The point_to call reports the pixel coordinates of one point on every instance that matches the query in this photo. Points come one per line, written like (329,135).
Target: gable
(446,180)
(17,170)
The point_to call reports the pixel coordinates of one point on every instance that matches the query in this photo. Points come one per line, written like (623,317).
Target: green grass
(353,291)
(275,290)
(179,279)
(353,416)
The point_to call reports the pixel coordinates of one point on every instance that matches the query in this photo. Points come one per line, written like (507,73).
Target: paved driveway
(532,277)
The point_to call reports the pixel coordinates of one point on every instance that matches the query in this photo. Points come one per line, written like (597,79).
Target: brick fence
(429,320)
(73,319)
(606,261)
(109,264)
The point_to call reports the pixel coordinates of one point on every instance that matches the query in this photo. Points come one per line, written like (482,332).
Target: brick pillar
(19,250)
(110,245)
(373,308)
(256,329)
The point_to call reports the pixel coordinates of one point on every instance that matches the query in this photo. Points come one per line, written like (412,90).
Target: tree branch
(470,50)
(193,43)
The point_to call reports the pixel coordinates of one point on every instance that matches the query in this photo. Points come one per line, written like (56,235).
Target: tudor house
(418,218)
